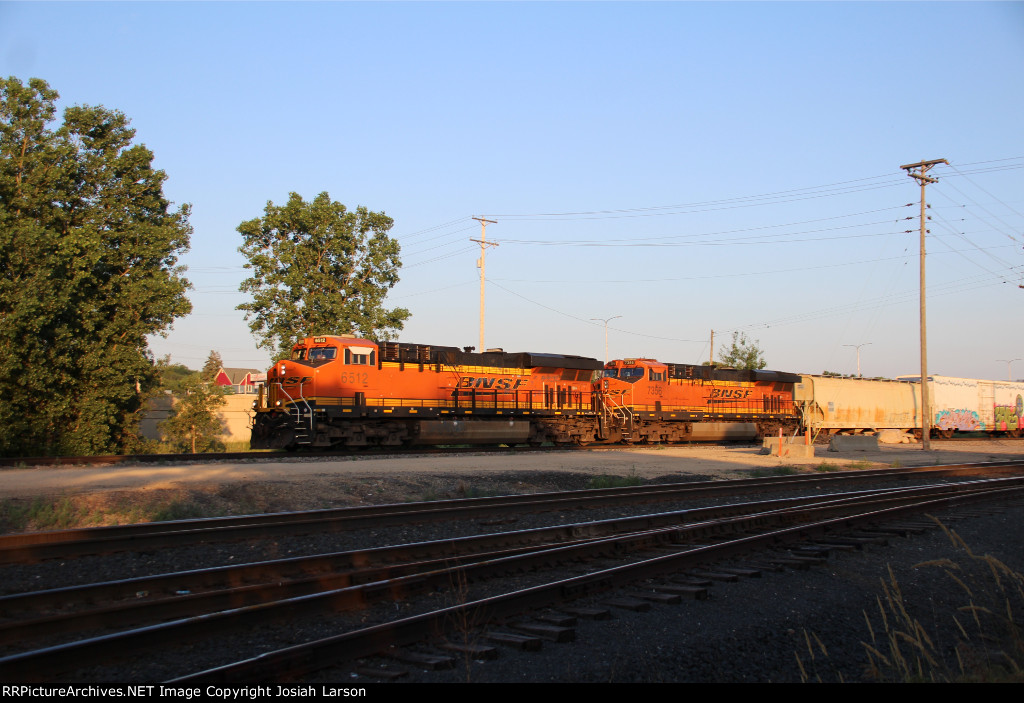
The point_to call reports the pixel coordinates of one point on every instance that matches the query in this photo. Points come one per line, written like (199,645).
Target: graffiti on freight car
(963,420)
(1009,417)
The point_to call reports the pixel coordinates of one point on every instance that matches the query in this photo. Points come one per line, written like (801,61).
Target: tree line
(90,252)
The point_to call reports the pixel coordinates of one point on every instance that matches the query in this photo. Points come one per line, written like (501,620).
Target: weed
(608,481)
(860,464)
(181,510)
(464,624)
(981,640)
(42,514)
(896,464)
(822,653)
(774,471)
(826,467)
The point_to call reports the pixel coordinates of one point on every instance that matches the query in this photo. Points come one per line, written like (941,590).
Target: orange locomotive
(644,400)
(340,390)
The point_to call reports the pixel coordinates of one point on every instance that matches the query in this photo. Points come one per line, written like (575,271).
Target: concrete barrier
(795,447)
(895,437)
(853,443)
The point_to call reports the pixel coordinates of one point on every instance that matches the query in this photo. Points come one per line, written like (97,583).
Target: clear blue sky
(688,166)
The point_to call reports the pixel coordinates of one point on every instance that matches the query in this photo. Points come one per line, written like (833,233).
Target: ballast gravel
(784,626)
(792,626)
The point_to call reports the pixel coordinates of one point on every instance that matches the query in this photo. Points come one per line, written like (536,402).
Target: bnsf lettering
(730,393)
(291,380)
(501,384)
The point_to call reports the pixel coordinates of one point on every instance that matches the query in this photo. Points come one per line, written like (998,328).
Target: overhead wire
(586,321)
(772,198)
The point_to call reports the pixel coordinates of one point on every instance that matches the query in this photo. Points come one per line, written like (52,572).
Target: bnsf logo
(501,384)
(730,393)
(292,380)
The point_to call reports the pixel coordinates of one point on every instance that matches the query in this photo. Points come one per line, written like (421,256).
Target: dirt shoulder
(45,498)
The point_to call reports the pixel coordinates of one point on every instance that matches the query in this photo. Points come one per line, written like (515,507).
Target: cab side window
(360,359)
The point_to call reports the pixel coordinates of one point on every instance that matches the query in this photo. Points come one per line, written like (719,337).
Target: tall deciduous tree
(88,256)
(319,268)
(742,353)
(194,425)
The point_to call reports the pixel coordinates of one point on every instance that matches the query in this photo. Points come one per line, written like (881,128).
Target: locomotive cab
(341,367)
(640,380)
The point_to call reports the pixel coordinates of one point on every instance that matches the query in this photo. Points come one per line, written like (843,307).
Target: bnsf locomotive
(343,391)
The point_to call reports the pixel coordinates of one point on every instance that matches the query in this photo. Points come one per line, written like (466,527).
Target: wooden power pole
(480,264)
(918,171)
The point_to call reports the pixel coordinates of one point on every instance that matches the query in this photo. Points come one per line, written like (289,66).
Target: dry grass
(977,640)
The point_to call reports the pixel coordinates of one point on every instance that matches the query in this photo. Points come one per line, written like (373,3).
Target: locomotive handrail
(294,403)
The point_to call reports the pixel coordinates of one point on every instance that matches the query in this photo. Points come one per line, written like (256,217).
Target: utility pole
(858,354)
(1008,362)
(606,321)
(922,167)
(711,356)
(481,265)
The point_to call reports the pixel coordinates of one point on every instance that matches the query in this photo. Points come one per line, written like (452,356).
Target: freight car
(971,405)
(342,391)
(834,405)
(831,405)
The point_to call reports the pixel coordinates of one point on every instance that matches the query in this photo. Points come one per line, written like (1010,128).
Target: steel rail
(178,594)
(35,546)
(298,660)
(42,663)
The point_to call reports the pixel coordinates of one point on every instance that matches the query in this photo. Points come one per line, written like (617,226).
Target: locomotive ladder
(617,414)
(302,422)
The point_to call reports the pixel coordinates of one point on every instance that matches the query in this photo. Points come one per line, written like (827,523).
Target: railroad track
(115,460)
(536,564)
(67,544)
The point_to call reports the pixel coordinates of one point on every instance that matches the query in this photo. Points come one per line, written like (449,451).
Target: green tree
(172,377)
(319,269)
(742,353)
(88,255)
(193,425)
(212,366)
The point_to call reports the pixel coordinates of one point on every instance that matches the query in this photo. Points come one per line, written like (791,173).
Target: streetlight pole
(1008,362)
(481,263)
(605,321)
(864,344)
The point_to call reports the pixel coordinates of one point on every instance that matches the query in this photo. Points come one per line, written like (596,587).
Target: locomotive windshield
(627,375)
(322,353)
